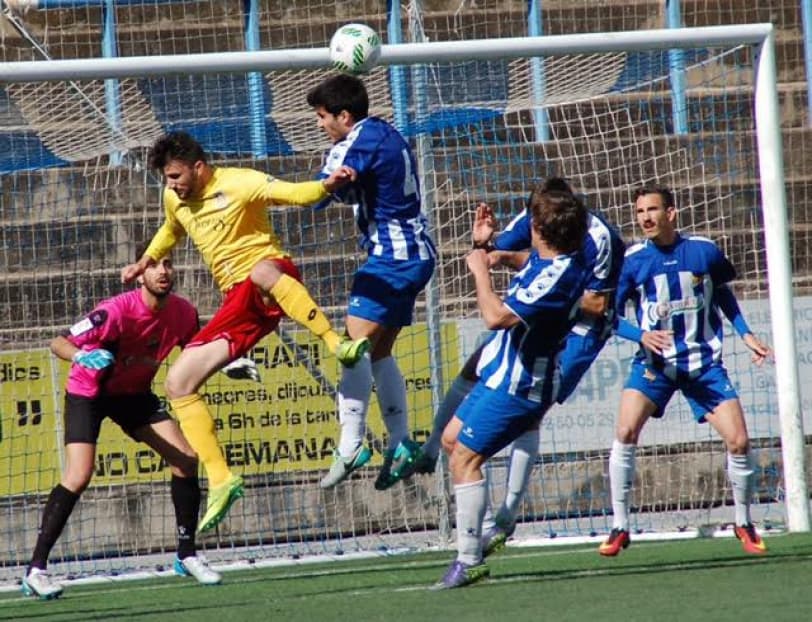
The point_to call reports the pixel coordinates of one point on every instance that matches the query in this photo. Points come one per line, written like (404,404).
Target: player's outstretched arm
(508,259)
(132,271)
(97,358)
(63,348)
(728,304)
(495,314)
(308,193)
(339,178)
(484,226)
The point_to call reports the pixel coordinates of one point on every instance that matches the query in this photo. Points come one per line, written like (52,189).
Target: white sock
(522,459)
(353,398)
(392,399)
(471,499)
(488,519)
(621,478)
(741,474)
(457,392)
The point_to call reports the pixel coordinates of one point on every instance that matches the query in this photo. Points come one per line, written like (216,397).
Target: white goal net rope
(494,128)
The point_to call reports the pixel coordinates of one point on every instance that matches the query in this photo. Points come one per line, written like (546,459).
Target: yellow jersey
(229,221)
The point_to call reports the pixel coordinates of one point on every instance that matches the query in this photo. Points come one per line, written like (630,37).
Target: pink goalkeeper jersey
(138,337)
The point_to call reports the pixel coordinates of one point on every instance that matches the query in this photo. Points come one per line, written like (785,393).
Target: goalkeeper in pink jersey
(116,351)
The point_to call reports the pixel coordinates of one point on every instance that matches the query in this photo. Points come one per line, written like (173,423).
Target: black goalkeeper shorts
(84,415)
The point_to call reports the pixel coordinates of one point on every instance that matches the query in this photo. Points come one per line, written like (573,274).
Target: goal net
(76,199)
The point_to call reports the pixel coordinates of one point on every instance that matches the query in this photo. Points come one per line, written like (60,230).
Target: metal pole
(779,271)
(256,83)
(397,75)
(112,94)
(806,16)
(535,28)
(425,164)
(676,62)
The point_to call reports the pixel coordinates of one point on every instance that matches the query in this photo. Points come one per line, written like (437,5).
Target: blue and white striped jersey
(673,288)
(386,195)
(602,251)
(545,294)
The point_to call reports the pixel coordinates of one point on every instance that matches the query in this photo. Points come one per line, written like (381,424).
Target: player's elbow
(499,320)
(594,304)
(57,347)
(492,323)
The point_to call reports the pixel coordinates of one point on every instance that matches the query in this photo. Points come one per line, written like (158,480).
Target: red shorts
(244,319)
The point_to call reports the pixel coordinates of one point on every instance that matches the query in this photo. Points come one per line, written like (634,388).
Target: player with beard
(116,351)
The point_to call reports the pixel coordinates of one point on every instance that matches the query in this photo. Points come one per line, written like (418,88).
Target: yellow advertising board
(30,435)
(283,424)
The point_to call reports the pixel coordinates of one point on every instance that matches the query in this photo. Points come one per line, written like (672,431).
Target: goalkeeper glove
(94,359)
(242,369)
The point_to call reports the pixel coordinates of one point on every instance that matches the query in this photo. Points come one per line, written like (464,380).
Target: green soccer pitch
(705,579)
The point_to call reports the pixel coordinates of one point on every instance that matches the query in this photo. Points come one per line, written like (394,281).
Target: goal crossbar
(397,54)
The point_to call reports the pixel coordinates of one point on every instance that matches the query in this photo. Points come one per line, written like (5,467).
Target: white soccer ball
(355,48)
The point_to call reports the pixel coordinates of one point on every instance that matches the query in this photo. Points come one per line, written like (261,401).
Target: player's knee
(456,464)
(265,275)
(464,464)
(184,465)
(738,444)
(176,386)
(468,371)
(626,434)
(77,479)
(448,441)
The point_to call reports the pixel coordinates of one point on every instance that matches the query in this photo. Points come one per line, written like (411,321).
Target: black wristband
(486,246)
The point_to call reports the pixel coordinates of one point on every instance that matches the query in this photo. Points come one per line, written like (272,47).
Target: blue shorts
(494,419)
(703,393)
(578,354)
(384,290)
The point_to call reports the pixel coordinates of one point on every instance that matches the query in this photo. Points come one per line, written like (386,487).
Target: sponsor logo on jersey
(666,309)
(94,320)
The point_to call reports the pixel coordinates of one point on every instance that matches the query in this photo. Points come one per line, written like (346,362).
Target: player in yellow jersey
(223,211)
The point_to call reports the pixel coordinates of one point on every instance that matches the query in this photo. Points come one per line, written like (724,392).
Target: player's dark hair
(665,193)
(175,146)
(341,92)
(558,184)
(559,217)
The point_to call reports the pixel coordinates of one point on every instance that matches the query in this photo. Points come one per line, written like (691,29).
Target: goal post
(70,220)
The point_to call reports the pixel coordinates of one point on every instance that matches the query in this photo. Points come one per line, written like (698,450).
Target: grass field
(709,580)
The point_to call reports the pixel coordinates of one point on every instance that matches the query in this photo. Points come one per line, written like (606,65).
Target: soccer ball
(355,48)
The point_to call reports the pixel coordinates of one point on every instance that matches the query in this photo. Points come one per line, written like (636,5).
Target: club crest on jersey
(697,279)
(220,200)
(94,320)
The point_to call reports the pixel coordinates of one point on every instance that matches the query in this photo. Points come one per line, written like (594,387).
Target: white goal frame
(768,136)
